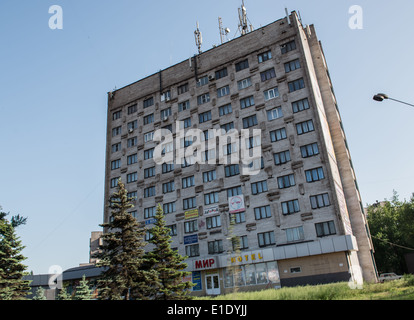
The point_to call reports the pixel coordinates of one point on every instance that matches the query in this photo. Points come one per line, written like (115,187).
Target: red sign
(205,264)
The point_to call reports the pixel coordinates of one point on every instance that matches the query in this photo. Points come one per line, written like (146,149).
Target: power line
(393,244)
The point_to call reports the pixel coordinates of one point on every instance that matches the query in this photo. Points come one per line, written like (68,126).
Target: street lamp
(382,96)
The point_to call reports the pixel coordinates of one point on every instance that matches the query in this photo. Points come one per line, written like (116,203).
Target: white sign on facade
(236,204)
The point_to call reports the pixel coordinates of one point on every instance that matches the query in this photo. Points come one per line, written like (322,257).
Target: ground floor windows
(253,274)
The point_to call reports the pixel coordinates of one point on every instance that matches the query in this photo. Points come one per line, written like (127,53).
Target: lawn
(402,289)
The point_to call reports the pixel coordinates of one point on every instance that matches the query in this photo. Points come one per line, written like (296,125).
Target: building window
(295,234)
(309,150)
(325,228)
(149,136)
(242,65)
(227,126)
(209,176)
(268,74)
(225,110)
(187,182)
(167,167)
(289,46)
(286,181)
(116,131)
(290,207)
(117,115)
(215,247)
(168,207)
(116,147)
(235,191)
(249,122)
(262,212)
(149,212)
(132,142)
(148,154)
(231,170)
(149,172)
(166,96)
(132,177)
(229,149)
(221,92)
(247,102)
(183,106)
(132,195)
(259,187)
(134,214)
(282,157)
(252,142)
(205,116)
(305,127)
(275,113)
(245,83)
(271,94)
(213,222)
(240,243)
(165,113)
(148,102)
(173,231)
(300,105)
(148,235)
(114,182)
(221,73)
(296,85)
(202,81)
(189,203)
(292,65)
(132,109)
(192,250)
(191,226)
(132,125)
(182,89)
(277,135)
(211,198)
(149,119)
(149,192)
(266,239)
(116,164)
(314,174)
(319,201)
(238,217)
(133,158)
(168,187)
(264,56)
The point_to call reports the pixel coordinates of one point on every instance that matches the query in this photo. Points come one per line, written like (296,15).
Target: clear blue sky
(53,86)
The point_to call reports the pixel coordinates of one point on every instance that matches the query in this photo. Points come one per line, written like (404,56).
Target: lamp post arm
(401,102)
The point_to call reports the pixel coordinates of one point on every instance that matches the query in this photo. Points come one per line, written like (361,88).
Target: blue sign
(150,221)
(191,239)
(197,281)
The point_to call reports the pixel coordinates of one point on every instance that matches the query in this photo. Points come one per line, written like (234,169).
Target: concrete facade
(302,212)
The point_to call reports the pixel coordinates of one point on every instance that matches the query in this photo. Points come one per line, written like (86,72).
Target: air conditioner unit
(131,130)
(211,78)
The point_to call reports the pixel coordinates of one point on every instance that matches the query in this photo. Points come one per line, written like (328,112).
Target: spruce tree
(40,294)
(64,295)
(82,291)
(12,285)
(126,276)
(167,263)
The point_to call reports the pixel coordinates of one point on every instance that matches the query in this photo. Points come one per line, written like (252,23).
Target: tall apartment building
(300,219)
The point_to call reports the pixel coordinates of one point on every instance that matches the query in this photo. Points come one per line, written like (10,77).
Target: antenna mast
(223,31)
(243,26)
(198,38)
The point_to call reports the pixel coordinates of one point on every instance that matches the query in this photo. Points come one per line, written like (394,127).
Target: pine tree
(126,276)
(64,295)
(82,291)
(40,294)
(12,285)
(167,263)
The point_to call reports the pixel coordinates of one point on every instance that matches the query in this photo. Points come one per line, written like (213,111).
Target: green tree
(392,229)
(122,254)
(167,263)
(40,294)
(82,291)
(64,295)
(12,285)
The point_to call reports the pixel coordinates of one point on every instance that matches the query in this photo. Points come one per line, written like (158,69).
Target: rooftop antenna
(223,31)
(198,38)
(243,25)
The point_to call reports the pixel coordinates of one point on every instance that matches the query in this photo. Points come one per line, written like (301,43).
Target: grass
(402,289)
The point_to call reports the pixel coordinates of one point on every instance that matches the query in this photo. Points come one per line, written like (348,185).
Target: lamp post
(382,96)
